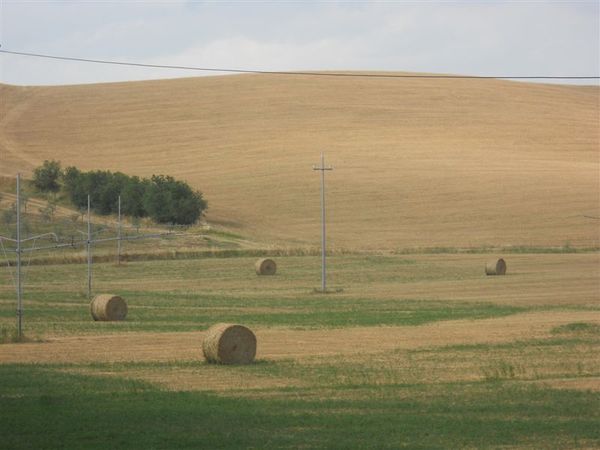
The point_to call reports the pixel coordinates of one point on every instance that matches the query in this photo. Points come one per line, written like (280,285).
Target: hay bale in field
(108,307)
(227,343)
(265,266)
(495,267)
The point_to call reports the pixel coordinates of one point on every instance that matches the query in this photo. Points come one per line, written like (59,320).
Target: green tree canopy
(46,178)
(162,198)
(171,201)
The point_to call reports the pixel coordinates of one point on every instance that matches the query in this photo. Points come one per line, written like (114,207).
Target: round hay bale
(227,343)
(108,307)
(265,266)
(495,267)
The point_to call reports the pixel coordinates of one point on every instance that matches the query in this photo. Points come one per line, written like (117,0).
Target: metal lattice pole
(89,251)
(119,235)
(18,279)
(323,168)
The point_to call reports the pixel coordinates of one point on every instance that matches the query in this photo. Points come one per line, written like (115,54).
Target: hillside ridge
(417,162)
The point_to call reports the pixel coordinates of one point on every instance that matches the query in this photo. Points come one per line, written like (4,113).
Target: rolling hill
(418,162)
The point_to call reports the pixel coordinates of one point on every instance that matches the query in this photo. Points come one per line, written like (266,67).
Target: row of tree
(162,198)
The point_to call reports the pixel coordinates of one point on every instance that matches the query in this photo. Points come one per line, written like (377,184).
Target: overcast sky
(458,37)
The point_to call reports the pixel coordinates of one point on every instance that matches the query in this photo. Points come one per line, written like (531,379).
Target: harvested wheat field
(397,304)
(278,343)
(416,160)
(414,343)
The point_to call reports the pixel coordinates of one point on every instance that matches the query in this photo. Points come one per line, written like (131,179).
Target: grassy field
(413,347)
(415,351)
(74,411)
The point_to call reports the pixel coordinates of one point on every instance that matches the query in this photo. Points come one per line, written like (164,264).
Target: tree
(132,197)
(75,185)
(103,193)
(158,201)
(162,198)
(46,177)
(167,200)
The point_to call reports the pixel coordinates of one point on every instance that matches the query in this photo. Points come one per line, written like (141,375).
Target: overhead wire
(300,73)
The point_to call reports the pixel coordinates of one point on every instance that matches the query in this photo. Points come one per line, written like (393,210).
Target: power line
(277,72)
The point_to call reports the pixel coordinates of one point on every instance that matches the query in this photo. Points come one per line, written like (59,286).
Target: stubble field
(414,347)
(417,162)
(408,350)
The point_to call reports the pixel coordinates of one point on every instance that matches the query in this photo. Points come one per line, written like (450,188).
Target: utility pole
(19,277)
(19,250)
(323,168)
(119,235)
(89,251)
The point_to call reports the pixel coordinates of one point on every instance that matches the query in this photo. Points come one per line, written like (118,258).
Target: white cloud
(476,38)
(243,52)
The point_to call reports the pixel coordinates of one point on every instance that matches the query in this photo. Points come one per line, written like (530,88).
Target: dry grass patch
(294,343)
(548,279)
(515,361)
(282,343)
(541,279)
(579,384)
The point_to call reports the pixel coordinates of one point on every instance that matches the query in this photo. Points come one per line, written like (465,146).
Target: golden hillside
(418,162)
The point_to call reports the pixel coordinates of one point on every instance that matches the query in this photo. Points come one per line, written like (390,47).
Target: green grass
(460,396)
(11,336)
(189,295)
(42,408)
(529,360)
(578,328)
(64,312)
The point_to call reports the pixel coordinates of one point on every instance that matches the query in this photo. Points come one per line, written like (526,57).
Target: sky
(489,38)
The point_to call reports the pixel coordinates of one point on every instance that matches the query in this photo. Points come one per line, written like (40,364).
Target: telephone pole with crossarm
(323,168)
